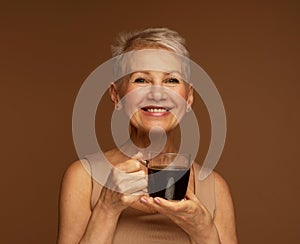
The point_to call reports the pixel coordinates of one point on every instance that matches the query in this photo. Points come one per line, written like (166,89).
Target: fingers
(174,209)
(166,206)
(131,165)
(169,207)
(126,183)
(128,177)
(132,184)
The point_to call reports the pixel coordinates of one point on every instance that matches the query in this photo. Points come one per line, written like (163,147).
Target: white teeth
(156,110)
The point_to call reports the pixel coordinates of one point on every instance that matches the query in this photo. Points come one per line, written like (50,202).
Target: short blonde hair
(151,37)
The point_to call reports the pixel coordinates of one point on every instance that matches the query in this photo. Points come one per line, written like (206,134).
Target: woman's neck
(142,139)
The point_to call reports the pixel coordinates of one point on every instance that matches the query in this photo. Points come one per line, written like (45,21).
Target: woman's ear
(190,95)
(114,96)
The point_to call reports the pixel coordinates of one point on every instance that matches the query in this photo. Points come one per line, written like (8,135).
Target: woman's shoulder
(77,169)
(218,180)
(213,182)
(221,186)
(76,178)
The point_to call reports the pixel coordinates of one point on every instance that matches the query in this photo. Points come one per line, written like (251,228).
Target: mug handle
(144,162)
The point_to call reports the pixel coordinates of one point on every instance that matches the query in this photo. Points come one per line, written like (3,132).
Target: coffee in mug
(168,175)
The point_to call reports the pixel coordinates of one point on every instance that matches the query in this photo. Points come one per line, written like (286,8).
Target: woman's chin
(157,128)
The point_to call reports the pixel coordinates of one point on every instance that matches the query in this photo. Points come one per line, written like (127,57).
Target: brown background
(250,50)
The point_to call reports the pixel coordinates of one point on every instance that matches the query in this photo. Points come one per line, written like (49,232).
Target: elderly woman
(94,213)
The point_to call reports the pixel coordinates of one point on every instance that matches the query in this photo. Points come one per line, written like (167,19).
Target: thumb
(191,196)
(139,156)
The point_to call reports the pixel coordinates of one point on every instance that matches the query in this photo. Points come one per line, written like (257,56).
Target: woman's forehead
(154,61)
(151,60)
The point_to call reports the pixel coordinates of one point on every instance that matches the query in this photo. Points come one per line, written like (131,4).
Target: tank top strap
(205,189)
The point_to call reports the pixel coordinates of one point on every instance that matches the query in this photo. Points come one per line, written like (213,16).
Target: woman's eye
(139,80)
(172,81)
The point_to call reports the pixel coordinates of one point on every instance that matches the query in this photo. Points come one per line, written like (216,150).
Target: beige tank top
(136,226)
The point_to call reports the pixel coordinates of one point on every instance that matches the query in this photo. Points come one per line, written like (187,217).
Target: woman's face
(154,93)
(154,98)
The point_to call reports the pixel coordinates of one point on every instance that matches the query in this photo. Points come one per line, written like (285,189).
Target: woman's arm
(192,216)
(74,205)
(223,229)
(78,224)
(224,216)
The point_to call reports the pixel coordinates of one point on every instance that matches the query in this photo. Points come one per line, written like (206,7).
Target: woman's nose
(157,93)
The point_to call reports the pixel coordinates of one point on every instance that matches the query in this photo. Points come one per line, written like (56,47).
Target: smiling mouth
(155,109)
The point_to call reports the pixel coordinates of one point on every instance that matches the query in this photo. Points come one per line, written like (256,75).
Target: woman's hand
(126,183)
(189,214)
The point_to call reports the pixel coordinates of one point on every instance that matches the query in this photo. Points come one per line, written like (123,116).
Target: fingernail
(157,200)
(143,200)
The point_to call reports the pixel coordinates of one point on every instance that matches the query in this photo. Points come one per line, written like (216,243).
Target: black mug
(168,175)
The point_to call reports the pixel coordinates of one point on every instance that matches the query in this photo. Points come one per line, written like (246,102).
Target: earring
(188,108)
(118,106)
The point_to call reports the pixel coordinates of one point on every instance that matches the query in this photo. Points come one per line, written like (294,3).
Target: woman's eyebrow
(169,73)
(139,72)
(174,73)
